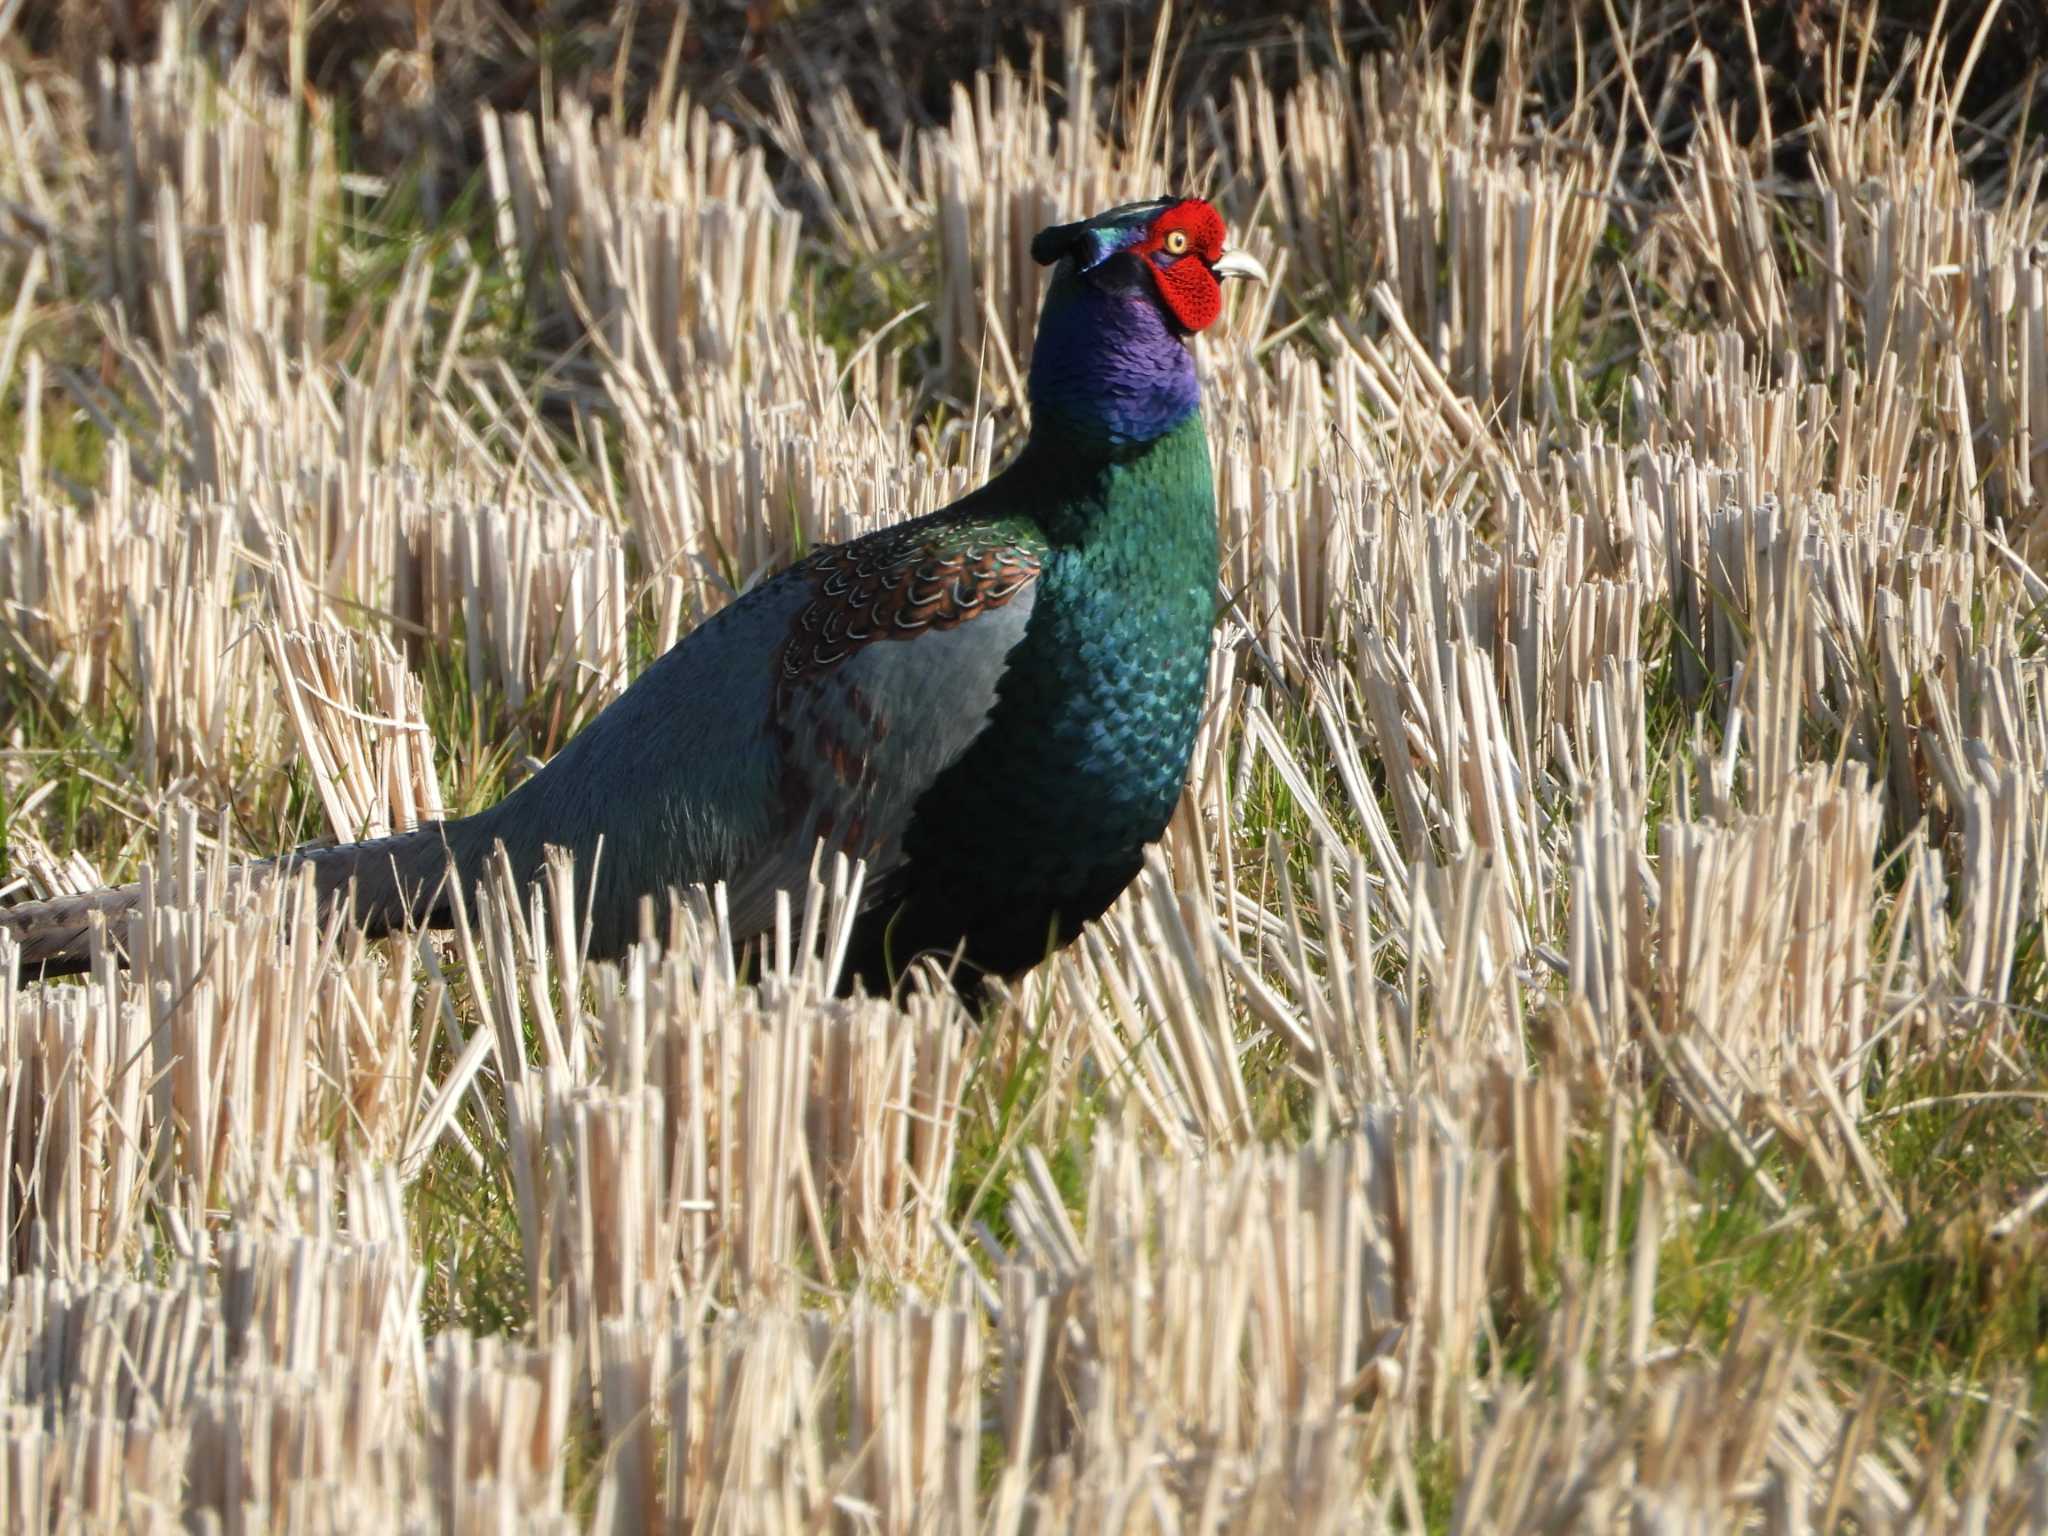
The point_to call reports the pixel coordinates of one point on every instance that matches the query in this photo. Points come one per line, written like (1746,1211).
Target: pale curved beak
(1239,264)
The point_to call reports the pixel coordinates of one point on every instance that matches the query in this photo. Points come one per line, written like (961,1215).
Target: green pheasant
(994,706)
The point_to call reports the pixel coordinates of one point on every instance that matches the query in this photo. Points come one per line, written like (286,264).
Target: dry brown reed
(1595,785)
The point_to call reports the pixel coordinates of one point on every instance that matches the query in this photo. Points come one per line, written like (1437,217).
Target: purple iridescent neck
(1107,368)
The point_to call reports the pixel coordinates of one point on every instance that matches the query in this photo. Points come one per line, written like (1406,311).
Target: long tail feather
(397,882)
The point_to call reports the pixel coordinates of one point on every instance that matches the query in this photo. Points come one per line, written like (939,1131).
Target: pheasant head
(1129,286)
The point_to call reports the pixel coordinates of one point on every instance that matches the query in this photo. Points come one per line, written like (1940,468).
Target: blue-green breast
(1038,826)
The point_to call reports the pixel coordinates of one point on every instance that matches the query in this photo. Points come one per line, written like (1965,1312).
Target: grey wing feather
(867,739)
(712,766)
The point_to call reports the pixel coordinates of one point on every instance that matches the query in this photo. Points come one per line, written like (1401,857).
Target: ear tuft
(1049,245)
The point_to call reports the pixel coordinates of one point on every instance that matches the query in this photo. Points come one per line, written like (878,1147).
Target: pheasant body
(994,706)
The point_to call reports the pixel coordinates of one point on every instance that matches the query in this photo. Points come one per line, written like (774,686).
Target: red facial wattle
(1186,285)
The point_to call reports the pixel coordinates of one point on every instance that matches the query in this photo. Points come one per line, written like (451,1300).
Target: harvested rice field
(1577,1059)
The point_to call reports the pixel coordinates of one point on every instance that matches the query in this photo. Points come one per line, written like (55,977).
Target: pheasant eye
(1177,242)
